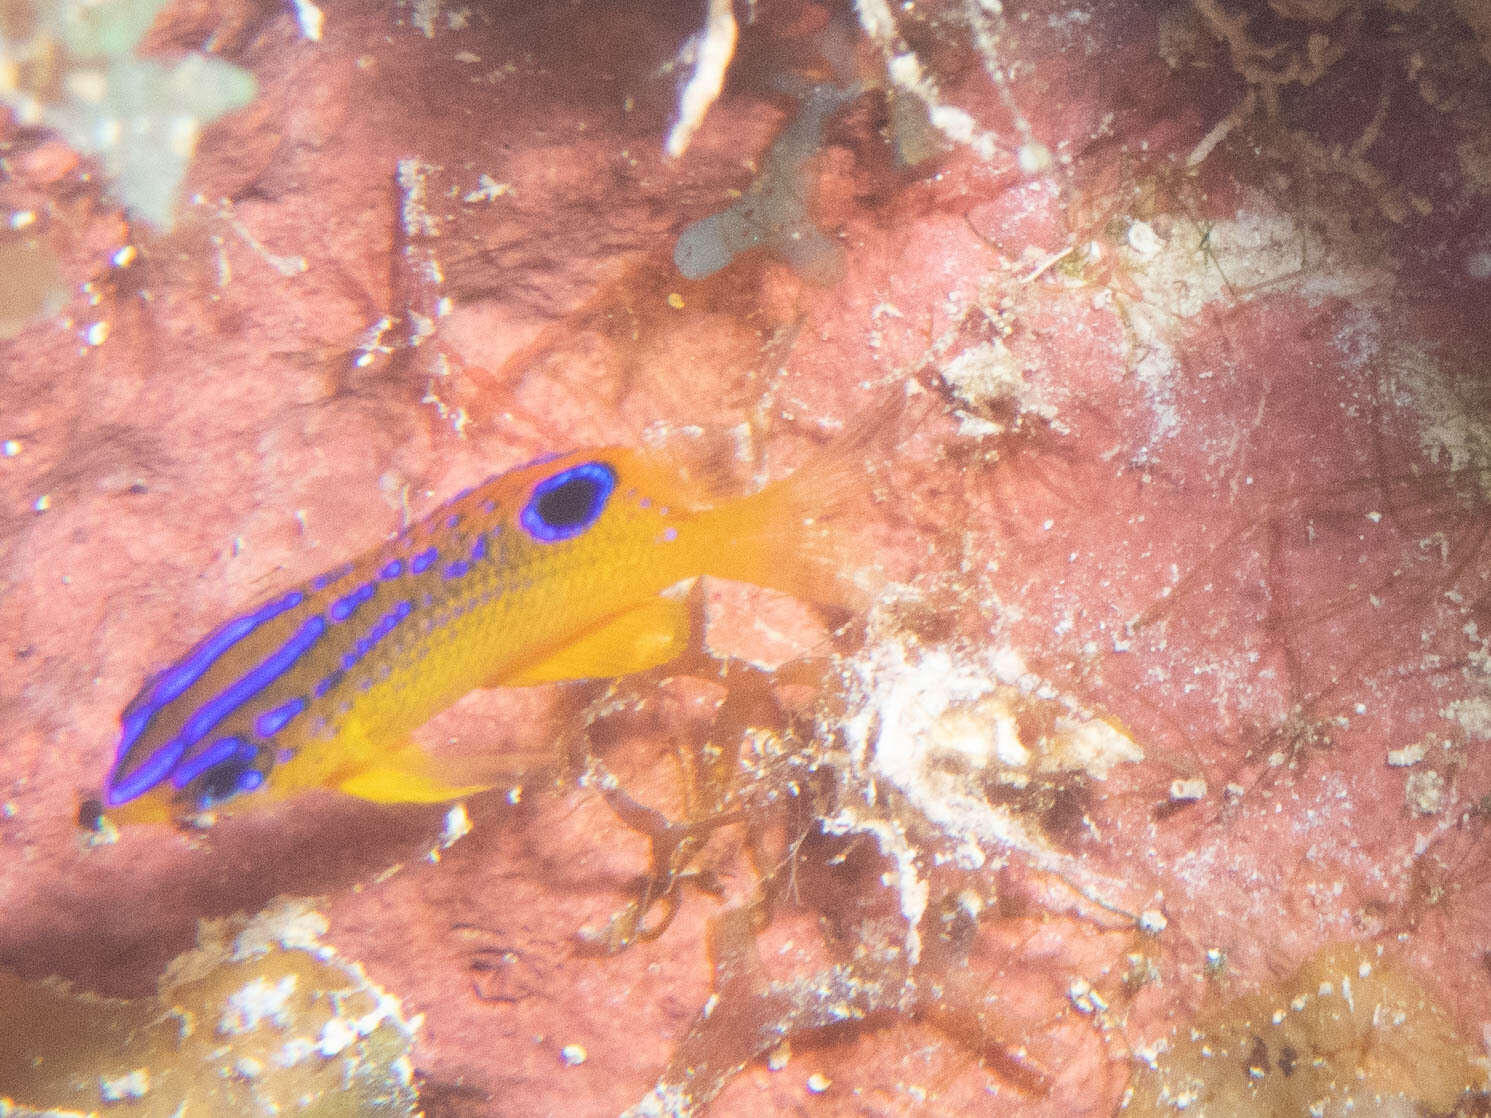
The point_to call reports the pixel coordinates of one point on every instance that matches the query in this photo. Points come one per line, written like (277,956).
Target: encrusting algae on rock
(259,1019)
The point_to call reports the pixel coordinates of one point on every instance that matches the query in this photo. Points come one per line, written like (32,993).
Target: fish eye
(563,506)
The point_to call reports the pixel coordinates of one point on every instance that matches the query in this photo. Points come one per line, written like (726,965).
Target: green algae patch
(259,1019)
(773,213)
(71,65)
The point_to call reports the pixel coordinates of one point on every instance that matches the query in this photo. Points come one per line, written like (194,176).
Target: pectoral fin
(643,637)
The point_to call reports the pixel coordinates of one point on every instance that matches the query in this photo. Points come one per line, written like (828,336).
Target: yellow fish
(552,571)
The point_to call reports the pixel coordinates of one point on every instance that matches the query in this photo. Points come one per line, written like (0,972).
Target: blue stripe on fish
(392,570)
(146,776)
(273,721)
(221,750)
(424,560)
(345,607)
(169,686)
(214,710)
(479,549)
(456,569)
(336,574)
(381,628)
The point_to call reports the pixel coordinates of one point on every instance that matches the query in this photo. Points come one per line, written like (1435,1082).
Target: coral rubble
(1351,1032)
(260,1018)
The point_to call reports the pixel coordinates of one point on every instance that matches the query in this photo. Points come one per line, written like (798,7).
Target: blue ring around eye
(563,506)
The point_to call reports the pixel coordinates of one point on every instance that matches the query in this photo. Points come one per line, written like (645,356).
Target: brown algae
(1350,1032)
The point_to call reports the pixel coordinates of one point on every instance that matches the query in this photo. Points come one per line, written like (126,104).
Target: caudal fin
(800,535)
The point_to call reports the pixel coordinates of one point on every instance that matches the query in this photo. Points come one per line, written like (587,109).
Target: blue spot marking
(273,721)
(456,569)
(563,506)
(328,683)
(250,779)
(322,581)
(453,521)
(424,560)
(210,713)
(489,506)
(345,607)
(392,570)
(169,686)
(381,628)
(479,549)
(224,749)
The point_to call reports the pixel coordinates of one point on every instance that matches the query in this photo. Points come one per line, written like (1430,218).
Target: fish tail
(797,535)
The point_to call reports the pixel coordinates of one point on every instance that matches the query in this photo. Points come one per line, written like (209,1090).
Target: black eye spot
(564,505)
(218,784)
(569,505)
(224,781)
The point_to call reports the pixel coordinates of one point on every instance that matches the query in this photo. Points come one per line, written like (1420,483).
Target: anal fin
(405,777)
(640,638)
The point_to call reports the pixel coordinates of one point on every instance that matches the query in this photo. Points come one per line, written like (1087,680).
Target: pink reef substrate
(1178,672)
